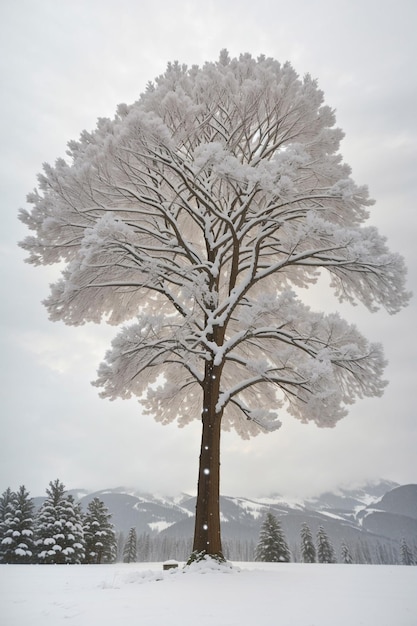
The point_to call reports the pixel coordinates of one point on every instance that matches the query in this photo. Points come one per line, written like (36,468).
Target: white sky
(62,65)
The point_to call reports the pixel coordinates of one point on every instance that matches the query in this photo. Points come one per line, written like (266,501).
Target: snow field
(247,594)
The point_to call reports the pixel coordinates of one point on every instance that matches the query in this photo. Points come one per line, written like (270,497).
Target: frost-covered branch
(190,216)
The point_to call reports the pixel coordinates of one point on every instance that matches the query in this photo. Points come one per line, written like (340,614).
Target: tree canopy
(194,216)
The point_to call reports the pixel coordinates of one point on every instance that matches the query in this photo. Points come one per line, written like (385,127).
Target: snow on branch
(190,216)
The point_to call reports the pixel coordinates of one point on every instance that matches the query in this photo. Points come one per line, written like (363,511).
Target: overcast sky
(63,65)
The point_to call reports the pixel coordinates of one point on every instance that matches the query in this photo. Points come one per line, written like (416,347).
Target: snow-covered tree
(130,551)
(18,529)
(99,535)
(325,550)
(193,215)
(345,553)
(7,506)
(59,533)
(272,546)
(74,548)
(406,553)
(308,551)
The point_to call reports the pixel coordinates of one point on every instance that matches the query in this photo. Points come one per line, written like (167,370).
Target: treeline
(151,547)
(273,547)
(58,533)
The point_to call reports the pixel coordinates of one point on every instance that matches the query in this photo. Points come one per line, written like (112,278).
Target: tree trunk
(207,537)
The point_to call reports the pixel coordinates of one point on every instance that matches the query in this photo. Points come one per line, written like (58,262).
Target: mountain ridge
(375,517)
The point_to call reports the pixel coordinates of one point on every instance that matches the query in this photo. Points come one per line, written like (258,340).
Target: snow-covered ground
(248,594)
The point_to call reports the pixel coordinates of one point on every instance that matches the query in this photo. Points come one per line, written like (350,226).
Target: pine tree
(18,536)
(345,552)
(5,499)
(49,525)
(6,513)
(308,551)
(272,546)
(99,535)
(406,553)
(130,552)
(59,533)
(75,545)
(325,551)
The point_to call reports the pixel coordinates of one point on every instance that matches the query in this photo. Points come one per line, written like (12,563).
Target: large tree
(194,214)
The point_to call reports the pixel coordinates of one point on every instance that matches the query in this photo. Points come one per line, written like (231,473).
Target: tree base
(198,556)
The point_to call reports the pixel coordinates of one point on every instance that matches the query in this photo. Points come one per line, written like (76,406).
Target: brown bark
(207,535)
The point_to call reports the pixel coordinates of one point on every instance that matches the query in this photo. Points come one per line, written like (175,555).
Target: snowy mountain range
(376,515)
